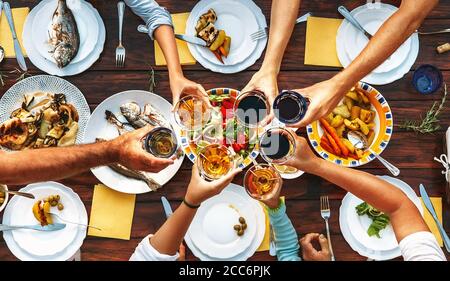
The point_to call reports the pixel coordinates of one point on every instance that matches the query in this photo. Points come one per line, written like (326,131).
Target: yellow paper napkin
(437,204)
(6,40)
(265,244)
(320,47)
(179,23)
(112,212)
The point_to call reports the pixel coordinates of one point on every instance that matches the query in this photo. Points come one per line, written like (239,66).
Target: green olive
(53,203)
(240,232)
(57,197)
(244,226)
(237,227)
(60,206)
(241,220)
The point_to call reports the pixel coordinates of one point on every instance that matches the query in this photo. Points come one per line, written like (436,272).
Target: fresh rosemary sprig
(430,123)
(152,80)
(22,74)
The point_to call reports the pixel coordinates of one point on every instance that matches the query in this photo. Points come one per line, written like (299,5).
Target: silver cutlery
(24,194)
(427,202)
(346,14)
(360,143)
(272,244)
(191,39)
(326,213)
(167,208)
(71,222)
(38,227)
(447,30)
(262,33)
(2,51)
(19,55)
(120,50)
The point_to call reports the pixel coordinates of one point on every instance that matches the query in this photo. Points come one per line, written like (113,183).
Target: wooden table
(412,153)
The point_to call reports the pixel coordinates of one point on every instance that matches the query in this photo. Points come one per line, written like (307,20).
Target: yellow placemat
(186,58)
(6,41)
(437,204)
(320,47)
(112,212)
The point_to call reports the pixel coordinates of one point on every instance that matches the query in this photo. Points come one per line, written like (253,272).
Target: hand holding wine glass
(304,158)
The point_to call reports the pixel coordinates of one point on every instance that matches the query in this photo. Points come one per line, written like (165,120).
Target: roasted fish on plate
(64,36)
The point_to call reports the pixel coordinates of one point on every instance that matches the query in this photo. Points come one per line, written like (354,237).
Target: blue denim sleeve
(286,238)
(152,14)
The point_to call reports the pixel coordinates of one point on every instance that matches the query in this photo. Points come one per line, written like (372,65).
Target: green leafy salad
(379,219)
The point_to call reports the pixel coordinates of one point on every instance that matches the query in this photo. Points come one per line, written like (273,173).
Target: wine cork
(443,48)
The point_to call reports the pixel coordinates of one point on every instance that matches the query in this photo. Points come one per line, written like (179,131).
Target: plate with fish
(42,111)
(123,112)
(70,26)
(64,38)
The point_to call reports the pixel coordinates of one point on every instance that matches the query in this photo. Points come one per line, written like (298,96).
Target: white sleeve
(421,246)
(145,252)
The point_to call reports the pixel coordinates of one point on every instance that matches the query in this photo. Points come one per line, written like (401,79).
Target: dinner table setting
(110,77)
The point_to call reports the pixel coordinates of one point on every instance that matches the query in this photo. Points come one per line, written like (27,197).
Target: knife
(167,207)
(429,205)
(17,48)
(38,227)
(191,39)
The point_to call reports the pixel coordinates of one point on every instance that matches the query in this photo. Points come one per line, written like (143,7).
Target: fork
(325,213)
(262,33)
(71,222)
(120,50)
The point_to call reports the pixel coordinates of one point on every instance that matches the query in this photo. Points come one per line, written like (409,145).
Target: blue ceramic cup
(427,79)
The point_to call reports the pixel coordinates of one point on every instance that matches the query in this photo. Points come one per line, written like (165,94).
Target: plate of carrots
(363,110)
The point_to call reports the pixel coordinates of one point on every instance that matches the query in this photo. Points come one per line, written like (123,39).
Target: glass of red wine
(290,107)
(251,108)
(277,145)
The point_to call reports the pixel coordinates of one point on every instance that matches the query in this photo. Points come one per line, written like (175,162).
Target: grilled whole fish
(138,119)
(64,36)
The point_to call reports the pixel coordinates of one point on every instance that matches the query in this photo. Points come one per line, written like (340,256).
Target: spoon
(24,194)
(359,141)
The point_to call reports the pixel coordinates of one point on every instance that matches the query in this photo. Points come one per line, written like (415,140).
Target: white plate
(49,66)
(231,63)
(372,19)
(354,227)
(87,25)
(35,245)
(378,78)
(212,228)
(12,99)
(98,127)
(260,224)
(239,23)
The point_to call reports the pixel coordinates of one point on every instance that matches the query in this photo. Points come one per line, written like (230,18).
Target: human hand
(199,189)
(266,82)
(130,152)
(304,158)
(310,253)
(182,86)
(323,98)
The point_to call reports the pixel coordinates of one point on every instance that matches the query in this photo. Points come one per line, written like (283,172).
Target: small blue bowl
(427,79)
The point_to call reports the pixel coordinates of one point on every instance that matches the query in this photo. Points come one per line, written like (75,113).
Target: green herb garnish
(379,219)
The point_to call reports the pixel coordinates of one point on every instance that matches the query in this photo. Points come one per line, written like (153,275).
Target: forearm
(169,237)
(404,215)
(53,163)
(385,41)
(287,245)
(165,37)
(282,22)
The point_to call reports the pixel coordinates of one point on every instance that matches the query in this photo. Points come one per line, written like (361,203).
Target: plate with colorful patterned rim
(383,131)
(191,142)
